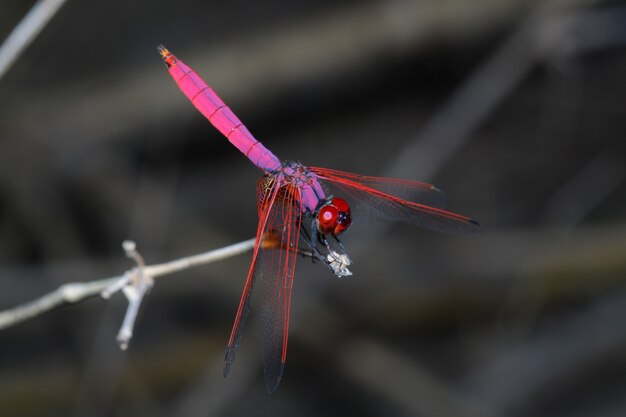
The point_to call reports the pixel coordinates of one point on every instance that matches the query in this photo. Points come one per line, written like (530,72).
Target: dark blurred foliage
(98,145)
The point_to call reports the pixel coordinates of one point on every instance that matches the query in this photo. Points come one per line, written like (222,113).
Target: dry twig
(134,284)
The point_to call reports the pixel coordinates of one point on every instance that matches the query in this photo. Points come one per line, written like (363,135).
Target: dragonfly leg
(315,237)
(310,238)
(343,249)
(325,242)
(335,261)
(331,252)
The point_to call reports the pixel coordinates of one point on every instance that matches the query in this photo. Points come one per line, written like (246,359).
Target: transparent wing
(417,192)
(264,209)
(376,199)
(275,271)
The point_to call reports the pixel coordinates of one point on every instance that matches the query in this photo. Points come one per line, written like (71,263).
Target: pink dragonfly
(299,213)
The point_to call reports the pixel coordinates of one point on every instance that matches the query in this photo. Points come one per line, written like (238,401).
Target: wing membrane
(265,209)
(276,272)
(376,199)
(273,267)
(417,192)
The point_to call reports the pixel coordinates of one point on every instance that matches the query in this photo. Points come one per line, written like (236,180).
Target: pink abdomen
(214,109)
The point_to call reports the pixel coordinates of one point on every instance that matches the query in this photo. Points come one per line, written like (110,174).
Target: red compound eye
(341,204)
(343,217)
(327,219)
(334,217)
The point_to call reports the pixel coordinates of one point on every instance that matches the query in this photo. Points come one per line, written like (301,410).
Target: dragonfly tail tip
(167,56)
(162,50)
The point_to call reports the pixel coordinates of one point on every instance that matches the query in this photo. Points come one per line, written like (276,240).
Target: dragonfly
(304,210)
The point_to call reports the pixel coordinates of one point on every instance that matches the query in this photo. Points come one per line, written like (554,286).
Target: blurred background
(515,108)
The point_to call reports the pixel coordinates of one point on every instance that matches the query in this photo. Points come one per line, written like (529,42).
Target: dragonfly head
(334,217)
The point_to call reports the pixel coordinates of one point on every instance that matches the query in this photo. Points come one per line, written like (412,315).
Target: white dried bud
(129,246)
(339,263)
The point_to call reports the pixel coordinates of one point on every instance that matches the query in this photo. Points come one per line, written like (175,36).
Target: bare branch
(135,284)
(66,294)
(72,293)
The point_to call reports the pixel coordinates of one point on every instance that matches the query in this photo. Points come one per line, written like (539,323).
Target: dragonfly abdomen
(220,116)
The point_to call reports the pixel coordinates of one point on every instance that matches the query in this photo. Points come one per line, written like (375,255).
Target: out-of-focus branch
(26,31)
(72,293)
(543,33)
(560,354)
(386,373)
(246,72)
(589,187)
(374,365)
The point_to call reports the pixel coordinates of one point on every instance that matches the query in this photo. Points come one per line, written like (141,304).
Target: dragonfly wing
(276,271)
(374,199)
(418,192)
(265,209)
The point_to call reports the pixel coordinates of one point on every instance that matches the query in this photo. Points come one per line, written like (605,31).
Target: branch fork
(134,284)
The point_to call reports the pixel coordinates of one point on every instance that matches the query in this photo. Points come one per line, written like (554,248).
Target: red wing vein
(244,302)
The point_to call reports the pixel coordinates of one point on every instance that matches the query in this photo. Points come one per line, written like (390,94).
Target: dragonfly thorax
(310,191)
(296,174)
